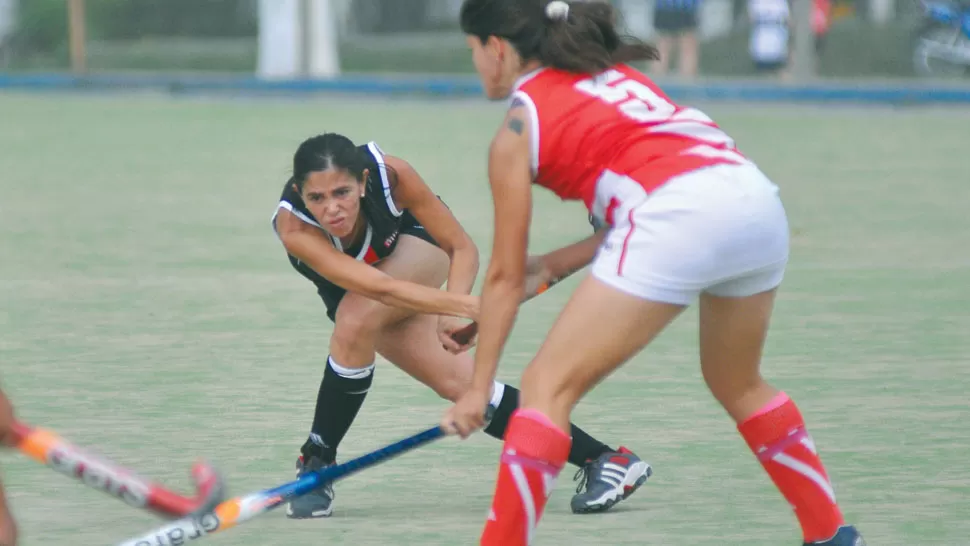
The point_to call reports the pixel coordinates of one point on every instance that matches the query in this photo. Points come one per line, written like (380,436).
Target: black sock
(340,397)
(584,447)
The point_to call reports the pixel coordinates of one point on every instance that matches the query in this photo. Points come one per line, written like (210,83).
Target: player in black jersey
(377,243)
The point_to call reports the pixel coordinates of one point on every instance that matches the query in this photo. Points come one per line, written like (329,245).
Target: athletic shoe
(317,503)
(607,480)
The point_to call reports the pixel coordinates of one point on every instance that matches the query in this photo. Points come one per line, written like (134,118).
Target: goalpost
(297,39)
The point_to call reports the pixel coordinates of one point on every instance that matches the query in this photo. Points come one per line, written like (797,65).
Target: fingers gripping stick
(48,448)
(237,510)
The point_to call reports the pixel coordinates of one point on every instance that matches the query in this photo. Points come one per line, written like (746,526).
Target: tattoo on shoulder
(515,125)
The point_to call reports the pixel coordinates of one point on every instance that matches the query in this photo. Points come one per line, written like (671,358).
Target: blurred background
(319,38)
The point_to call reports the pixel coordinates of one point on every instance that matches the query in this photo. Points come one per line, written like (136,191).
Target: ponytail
(577,36)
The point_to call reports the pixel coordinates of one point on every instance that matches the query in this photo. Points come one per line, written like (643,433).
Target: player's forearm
(464,268)
(3,498)
(570,258)
(500,303)
(432,301)
(6,419)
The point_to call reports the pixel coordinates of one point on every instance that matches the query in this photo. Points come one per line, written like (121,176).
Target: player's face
(491,62)
(333,197)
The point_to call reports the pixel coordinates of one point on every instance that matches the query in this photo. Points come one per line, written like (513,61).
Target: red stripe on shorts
(626,242)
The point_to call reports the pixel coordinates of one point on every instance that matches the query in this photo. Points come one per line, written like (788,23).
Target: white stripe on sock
(498,391)
(528,503)
(351,373)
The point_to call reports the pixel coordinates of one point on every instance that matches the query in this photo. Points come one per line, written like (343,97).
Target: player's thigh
(412,345)
(733,331)
(600,328)
(413,260)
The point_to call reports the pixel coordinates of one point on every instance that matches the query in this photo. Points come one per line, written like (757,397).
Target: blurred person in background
(821,21)
(676,20)
(771,35)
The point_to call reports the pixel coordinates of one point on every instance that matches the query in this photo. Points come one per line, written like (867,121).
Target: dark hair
(586,41)
(325,152)
(335,151)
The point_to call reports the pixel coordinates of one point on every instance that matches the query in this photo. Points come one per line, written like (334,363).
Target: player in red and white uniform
(691,219)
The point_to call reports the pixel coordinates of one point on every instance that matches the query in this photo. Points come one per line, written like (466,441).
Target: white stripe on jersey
(379,157)
(289,206)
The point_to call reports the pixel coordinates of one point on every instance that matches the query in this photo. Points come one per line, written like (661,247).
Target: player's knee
(451,388)
(729,389)
(355,330)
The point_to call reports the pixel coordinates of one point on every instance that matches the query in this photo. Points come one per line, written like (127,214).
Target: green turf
(147,309)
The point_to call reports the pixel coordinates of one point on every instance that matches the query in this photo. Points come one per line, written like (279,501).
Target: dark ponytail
(582,39)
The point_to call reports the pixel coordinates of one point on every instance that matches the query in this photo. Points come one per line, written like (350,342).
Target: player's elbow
(465,247)
(506,277)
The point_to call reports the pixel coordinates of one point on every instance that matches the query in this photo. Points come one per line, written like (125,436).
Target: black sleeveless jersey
(385,224)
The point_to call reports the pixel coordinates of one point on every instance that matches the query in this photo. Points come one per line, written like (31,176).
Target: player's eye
(342,192)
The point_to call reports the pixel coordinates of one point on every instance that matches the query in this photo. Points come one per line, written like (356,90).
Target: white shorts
(720,230)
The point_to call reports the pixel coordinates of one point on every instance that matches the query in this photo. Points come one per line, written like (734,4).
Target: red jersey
(617,122)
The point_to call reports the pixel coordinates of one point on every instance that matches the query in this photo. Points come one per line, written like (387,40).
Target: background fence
(867,38)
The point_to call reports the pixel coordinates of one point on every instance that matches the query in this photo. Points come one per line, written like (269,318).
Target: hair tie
(557,10)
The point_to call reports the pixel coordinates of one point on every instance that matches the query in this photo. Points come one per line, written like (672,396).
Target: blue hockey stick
(237,510)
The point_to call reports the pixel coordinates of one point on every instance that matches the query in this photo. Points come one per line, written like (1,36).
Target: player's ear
(363,181)
(494,45)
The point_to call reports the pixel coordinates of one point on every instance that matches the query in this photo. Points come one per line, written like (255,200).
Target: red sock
(534,453)
(777,436)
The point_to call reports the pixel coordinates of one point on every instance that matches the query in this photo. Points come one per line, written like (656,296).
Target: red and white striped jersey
(616,123)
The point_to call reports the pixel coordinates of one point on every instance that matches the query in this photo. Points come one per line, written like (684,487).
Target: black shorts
(674,21)
(332,294)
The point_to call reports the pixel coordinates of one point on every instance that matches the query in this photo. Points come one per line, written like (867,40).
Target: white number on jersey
(640,103)
(634,99)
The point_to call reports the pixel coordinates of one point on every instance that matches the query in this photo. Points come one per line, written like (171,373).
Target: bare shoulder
(287,222)
(513,135)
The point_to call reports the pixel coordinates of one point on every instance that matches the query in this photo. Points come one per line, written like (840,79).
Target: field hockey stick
(46,447)
(465,335)
(237,510)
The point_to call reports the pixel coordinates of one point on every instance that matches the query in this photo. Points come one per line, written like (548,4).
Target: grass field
(146,308)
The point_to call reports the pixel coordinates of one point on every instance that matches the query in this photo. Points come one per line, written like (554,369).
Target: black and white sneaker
(317,503)
(607,480)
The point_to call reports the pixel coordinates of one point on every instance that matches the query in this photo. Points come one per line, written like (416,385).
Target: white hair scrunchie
(557,10)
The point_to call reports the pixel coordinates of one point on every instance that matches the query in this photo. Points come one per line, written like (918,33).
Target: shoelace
(583,476)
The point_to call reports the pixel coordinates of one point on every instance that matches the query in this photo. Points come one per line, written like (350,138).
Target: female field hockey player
(691,218)
(377,243)
(8,528)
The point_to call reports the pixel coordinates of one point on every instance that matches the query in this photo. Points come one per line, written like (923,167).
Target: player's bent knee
(451,389)
(355,330)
